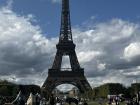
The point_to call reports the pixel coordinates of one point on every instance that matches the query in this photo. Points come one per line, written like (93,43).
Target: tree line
(11,89)
(113,89)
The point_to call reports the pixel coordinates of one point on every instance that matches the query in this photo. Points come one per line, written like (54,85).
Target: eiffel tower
(66,47)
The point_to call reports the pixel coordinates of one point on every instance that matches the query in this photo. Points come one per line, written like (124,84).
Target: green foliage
(5,82)
(27,89)
(115,89)
(6,88)
(135,88)
(87,95)
(108,89)
(11,89)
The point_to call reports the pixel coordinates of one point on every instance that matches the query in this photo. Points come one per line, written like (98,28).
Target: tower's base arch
(75,78)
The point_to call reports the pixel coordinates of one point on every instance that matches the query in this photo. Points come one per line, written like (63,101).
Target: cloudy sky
(106,32)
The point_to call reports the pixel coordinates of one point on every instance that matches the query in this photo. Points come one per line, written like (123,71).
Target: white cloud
(26,54)
(9,4)
(133,73)
(65,87)
(116,77)
(132,50)
(56,1)
(23,49)
(101,66)
(87,56)
(138,67)
(100,50)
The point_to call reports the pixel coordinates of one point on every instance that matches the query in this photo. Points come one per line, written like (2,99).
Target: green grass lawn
(96,103)
(89,103)
(93,103)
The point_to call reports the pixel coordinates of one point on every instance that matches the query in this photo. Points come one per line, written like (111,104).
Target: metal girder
(66,47)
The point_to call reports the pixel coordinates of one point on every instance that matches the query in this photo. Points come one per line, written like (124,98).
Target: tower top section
(65,30)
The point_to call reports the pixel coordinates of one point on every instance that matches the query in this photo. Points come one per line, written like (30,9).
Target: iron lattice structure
(66,47)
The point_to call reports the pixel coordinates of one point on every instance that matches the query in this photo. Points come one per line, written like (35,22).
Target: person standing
(52,100)
(38,98)
(117,100)
(22,100)
(85,103)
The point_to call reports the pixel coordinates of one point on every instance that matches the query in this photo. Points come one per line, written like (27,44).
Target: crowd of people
(135,100)
(36,99)
(116,100)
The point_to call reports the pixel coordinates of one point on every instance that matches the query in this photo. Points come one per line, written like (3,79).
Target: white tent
(31,100)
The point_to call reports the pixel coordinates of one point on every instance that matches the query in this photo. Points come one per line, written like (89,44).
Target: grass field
(96,103)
